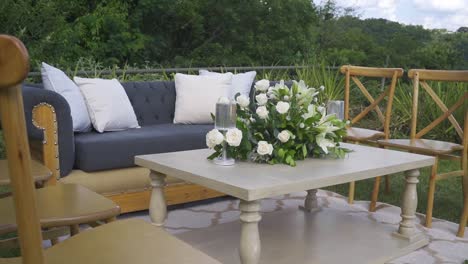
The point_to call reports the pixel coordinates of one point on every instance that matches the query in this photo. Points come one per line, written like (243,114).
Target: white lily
(310,112)
(327,128)
(324,143)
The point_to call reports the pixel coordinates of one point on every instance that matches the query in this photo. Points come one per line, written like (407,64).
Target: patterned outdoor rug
(444,247)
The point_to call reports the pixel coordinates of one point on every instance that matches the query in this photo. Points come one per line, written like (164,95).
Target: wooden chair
(369,136)
(40,173)
(130,241)
(439,149)
(59,206)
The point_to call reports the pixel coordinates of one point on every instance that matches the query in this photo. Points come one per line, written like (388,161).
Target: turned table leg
(250,247)
(157,207)
(409,204)
(310,202)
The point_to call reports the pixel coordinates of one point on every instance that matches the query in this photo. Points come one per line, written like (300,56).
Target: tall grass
(428,111)
(333,81)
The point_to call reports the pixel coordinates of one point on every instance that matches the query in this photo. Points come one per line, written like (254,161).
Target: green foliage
(222,32)
(320,75)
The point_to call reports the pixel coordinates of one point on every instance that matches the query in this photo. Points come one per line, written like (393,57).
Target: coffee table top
(250,181)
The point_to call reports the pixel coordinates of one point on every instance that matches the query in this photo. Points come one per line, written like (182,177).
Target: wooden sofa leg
(44,118)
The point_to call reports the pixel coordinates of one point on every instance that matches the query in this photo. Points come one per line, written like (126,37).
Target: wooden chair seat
(40,172)
(62,205)
(423,146)
(362,134)
(123,242)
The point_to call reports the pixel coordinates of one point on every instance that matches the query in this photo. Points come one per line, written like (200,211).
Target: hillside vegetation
(168,33)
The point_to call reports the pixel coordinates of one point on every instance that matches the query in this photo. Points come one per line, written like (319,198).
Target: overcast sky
(448,14)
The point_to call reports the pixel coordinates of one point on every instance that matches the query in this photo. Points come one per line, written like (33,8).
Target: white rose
(262,85)
(243,101)
(262,112)
(286,98)
(264,148)
(282,107)
(214,138)
(262,99)
(234,137)
(284,136)
(223,100)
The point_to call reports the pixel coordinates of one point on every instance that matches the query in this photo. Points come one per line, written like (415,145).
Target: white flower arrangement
(215,138)
(281,125)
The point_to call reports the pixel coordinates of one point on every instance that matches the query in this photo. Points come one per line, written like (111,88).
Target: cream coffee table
(311,235)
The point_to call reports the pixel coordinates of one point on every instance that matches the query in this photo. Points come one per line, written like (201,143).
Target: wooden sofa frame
(44,118)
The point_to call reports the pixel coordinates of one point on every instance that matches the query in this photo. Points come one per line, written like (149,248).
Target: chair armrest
(48,119)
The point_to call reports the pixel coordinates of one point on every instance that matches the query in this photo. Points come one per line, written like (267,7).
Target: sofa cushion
(112,150)
(153,102)
(114,182)
(57,81)
(108,104)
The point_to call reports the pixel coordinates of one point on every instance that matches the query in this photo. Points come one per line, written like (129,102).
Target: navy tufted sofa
(104,162)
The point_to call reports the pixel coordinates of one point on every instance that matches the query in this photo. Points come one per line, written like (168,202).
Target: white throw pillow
(241,82)
(56,80)
(196,97)
(108,104)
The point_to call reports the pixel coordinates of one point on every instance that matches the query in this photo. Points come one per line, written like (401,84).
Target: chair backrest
(420,77)
(14,67)
(353,73)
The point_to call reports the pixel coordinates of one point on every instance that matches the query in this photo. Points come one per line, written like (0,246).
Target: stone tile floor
(444,247)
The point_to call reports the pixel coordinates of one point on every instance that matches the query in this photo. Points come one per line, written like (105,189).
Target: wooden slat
(388,112)
(369,108)
(443,107)
(346,95)
(447,175)
(414,110)
(450,157)
(371,72)
(369,97)
(442,117)
(14,67)
(439,75)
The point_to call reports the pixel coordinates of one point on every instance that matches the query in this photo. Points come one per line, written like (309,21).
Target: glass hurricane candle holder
(225,119)
(336,107)
(225,114)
